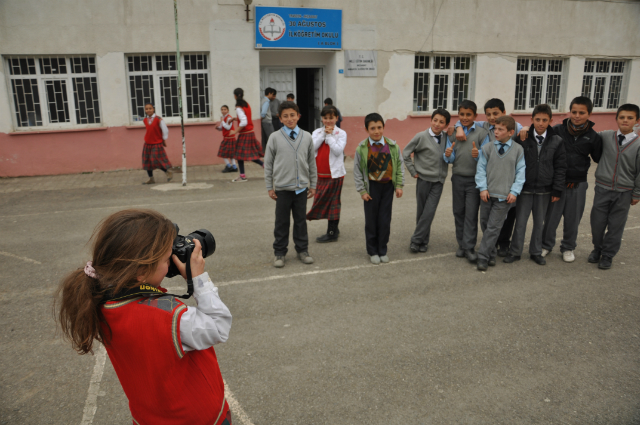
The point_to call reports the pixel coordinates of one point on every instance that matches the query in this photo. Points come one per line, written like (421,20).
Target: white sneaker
(375,259)
(568,257)
(545,252)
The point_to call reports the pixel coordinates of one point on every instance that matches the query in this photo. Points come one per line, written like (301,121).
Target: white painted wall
(6,124)
(497,79)
(112,85)
(633,95)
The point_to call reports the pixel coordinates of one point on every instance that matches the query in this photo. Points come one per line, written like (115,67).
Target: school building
(76,74)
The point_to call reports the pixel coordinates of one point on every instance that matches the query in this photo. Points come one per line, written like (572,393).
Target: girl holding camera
(161,350)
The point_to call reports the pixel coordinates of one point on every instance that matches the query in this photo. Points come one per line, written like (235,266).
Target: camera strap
(189,277)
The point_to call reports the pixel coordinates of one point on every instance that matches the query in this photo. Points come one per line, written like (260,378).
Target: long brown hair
(126,244)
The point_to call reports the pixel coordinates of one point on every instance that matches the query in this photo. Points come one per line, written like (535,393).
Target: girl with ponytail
(161,350)
(247,147)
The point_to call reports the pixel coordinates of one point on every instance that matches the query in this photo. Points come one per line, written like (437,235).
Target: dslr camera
(183,246)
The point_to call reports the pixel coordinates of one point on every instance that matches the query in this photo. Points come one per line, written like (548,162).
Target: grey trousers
(529,204)
(492,216)
(609,212)
(427,198)
(466,201)
(571,207)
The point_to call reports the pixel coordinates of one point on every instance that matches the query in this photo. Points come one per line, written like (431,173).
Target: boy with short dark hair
(274,105)
(291,97)
(617,185)
(466,197)
(580,142)
(430,170)
(546,166)
(378,173)
(500,176)
(291,176)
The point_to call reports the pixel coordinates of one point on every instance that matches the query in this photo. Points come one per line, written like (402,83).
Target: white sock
(233,161)
(226,161)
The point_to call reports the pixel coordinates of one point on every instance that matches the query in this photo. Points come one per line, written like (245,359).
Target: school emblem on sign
(272,27)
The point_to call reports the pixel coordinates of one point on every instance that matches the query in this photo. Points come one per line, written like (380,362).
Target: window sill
(425,115)
(187,124)
(62,130)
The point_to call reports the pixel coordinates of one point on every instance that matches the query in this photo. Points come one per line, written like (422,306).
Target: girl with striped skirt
(247,147)
(227,148)
(155,140)
(329,142)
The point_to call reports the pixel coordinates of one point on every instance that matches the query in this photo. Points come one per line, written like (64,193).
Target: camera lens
(207,241)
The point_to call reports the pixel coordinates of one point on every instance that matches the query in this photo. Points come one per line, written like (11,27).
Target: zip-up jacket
(545,172)
(619,167)
(578,150)
(290,164)
(361,170)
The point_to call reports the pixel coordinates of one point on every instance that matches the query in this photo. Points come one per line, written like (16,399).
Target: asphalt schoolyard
(425,339)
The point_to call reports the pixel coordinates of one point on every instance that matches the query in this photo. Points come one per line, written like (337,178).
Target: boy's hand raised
(449,150)
(460,136)
(474,150)
(450,130)
(484,195)
(524,133)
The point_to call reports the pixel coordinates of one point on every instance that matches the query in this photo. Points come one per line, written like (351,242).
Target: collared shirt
(535,135)
(371,141)
(434,135)
(163,126)
(265,107)
(627,137)
(481,173)
(226,125)
(296,131)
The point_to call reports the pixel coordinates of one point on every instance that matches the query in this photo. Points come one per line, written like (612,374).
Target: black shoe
(605,263)
(511,258)
(471,255)
(503,250)
(460,253)
(233,169)
(482,265)
(331,235)
(414,247)
(227,169)
(423,248)
(539,259)
(594,257)
(492,261)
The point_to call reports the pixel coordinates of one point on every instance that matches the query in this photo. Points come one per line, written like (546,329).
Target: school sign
(298,28)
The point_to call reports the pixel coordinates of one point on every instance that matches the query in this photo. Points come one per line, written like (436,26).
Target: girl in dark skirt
(247,147)
(155,139)
(227,148)
(329,142)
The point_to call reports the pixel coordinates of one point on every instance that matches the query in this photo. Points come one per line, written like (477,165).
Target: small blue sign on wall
(298,28)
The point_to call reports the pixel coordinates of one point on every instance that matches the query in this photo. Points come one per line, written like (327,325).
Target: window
(154,79)
(539,80)
(441,81)
(602,82)
(54,91)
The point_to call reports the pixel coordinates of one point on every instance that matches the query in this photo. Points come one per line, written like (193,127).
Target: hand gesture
(328,130)
(484,195)
(450,130)
(312,193)
(197,261)
(449,150)
(398,193)
(272,194)
(460,136)
(474,150)
(511,198)
(366,197)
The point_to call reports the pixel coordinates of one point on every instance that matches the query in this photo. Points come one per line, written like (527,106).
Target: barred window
(539,80)
(603,82)
(154,79)
(441,81)
(54,91)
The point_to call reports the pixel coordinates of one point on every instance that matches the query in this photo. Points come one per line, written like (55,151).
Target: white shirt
(163,126)
(628,138)
(242,117)
(226,125)
(207,324)
(434,135)
(337,141)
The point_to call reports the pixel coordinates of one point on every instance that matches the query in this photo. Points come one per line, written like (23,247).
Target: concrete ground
(426,339)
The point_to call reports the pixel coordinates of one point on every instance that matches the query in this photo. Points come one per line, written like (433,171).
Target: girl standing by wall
(155,140)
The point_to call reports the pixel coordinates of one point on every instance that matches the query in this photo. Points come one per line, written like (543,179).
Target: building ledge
(61,130)
(190,124)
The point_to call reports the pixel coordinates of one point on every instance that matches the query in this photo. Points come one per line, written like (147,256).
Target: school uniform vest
(247,112)
(153,136)
(464,164)
(501,169)
(164,384)
(618,166)
(225,132)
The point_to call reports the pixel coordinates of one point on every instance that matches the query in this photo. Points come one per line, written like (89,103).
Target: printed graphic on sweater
(379,163)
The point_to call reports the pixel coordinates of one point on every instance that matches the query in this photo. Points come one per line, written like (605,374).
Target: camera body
(183,247)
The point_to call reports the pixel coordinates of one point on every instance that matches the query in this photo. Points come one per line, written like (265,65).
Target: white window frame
(590,70)
(545,77)
(157,101)
(450,72)
(41,78)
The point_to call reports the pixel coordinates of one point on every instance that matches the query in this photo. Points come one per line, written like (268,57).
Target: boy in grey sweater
(290,175)
(429,167)
(617,186)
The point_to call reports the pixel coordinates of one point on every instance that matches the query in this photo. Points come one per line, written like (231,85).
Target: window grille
(441,81)
(539,80)
(47,90)
(603,82)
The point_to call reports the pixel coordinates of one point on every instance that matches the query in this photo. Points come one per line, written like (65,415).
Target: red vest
(225,133)
(164,384)
(322,161)
(247,112)
(153,136)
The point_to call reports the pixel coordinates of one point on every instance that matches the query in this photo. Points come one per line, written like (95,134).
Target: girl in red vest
(227,148)
(247,147)
(155,140)
(161,350)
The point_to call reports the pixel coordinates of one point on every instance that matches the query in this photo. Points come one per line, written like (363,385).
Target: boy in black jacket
(580,142)
(546,166)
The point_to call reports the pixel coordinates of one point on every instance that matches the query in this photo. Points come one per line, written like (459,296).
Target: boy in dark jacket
(580,142)
(546,166)
(617,185)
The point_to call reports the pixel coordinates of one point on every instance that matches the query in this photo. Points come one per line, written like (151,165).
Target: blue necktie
(540,139)
(292,135)
(621,138)
(501,150)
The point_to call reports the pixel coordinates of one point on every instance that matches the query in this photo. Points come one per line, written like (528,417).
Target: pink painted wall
(117,148)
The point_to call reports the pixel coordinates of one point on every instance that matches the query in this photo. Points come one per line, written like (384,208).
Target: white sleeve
(242,117)
(337,142)
(165,130)
(207,324)
(318,137)
(226,125)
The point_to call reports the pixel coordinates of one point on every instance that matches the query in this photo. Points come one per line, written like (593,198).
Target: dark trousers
(609,212)
(277,125)
(377,217)
(150,172)
(529,204)
(492,216)
(241,164)
(288,204)
(427,199)
(571,207)
(507,228)
(466,202)
(267,129)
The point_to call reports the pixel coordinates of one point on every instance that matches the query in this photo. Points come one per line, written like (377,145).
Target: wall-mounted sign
(360,63)
(298,28)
